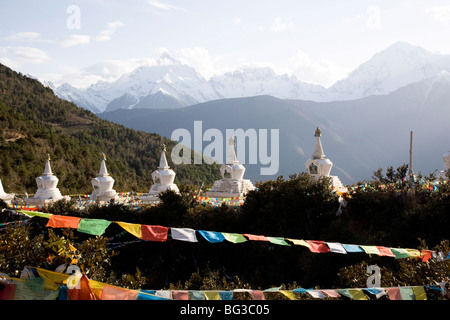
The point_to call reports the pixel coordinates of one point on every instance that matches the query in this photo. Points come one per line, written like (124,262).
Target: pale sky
(321,41)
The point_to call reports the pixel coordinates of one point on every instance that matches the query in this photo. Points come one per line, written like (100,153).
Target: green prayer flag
(32,214)
(279,241)
(234,237)
(407,293)
(400,253)
(95,227)
(370,249)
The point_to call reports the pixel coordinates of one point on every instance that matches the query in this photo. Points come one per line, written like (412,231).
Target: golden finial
(318,133)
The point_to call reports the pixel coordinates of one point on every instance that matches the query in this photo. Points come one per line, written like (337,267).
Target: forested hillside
(34,122)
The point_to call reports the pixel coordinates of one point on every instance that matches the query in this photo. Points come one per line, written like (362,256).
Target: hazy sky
(319,41)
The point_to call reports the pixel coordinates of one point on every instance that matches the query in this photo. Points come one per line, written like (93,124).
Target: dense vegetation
(300,207)
(34,122)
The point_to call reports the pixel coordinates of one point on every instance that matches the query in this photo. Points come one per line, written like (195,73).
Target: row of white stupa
(231,185)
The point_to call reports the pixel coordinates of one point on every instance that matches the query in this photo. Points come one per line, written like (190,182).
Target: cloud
(111,27)
(164,6)
(322,72)
(200,59)
(440,14)
(278,26)
(24,37)
(73,40)
(14,57)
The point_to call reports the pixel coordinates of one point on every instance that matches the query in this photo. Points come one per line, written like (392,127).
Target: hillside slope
(34,122)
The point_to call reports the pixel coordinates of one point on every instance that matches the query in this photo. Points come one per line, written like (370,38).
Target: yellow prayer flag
(413,253)
(134,229)
(419,293)
(299,242)
(288,293)
(212,295)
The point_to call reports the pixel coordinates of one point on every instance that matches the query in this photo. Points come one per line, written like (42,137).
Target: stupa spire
(163,161)
(232,159)
(318,150)
(103,171)
(47,169)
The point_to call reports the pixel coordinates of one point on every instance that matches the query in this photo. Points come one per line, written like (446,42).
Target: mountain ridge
(359,136)
(172,84)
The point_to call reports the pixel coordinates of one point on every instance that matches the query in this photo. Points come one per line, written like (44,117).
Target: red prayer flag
(56,221)
(318,246)
(154,233)
(384,251)
(180,295)
(83,292)
(255,237)
(394,293)
(426,255)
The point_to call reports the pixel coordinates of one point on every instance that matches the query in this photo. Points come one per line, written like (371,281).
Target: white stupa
(441,174)
(232,183)
(47,191)
(319,166)
(6,197)
(103,184)
(163,177)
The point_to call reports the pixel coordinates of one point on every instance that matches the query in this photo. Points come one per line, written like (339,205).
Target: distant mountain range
(171,84)
(359,136)
(365,118)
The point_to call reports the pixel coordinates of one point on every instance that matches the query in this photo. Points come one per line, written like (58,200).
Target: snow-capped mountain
(172,84)
(250,82)
(397,66)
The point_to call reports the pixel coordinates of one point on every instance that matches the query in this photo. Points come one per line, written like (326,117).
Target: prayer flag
(384,251)
(234,237)
(299,242)
(331,293)
(278,240)
(352,248)
(376,291)
(400,253)
(413,253)
(8,291)
(133,228)
(211,236)
(370,250)
(226,295)
(164,294)
(289,294)
(183,234)
(357,294)
(57,221)
(426,254)
(83,291)
(318,246)
(257,295)
(419,293)
(407,293)
(95,227)
(212,295)
(255,237)
(154,233)
(316,294)
(336,247)
(35,214)
(196,295)
(116,293)
(394,293)
(180,295)
(144,295)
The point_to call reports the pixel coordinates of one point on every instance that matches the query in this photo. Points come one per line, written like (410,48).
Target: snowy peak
(168,83)
(397,66)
